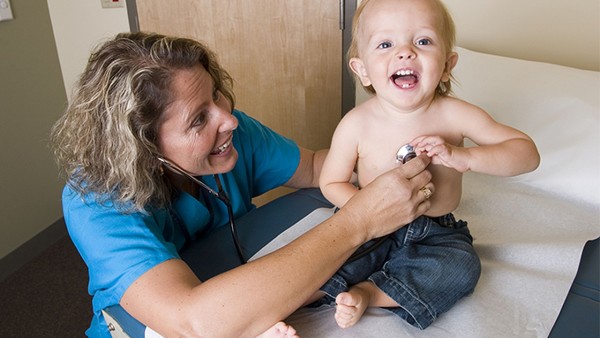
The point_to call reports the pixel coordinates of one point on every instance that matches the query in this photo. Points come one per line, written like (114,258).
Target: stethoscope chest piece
(405,153)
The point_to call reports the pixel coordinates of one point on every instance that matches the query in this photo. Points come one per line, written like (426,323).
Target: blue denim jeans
(426,267)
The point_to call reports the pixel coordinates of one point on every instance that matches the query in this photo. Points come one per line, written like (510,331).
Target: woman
(146,96)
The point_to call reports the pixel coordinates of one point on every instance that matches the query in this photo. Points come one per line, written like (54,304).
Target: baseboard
(32,248)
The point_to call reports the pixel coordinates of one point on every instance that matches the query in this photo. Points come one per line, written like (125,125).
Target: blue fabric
(118,248)
(581,310)
(425,266)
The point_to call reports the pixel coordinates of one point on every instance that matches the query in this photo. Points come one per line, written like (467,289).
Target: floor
(48,296)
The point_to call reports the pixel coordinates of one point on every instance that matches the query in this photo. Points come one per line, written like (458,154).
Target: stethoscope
(220,194)
(404,154)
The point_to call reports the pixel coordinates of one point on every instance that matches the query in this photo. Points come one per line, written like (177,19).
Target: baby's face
(401,51)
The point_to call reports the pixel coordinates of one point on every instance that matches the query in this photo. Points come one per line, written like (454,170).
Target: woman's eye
(423,42)
(199,120)
(384,45)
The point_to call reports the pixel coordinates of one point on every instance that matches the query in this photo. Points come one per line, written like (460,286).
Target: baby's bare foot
(280,330)
(350,307)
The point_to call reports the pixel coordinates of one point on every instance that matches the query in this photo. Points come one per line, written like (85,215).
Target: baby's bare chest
(377,151)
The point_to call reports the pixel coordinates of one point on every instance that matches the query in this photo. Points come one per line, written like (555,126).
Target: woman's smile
(220,150)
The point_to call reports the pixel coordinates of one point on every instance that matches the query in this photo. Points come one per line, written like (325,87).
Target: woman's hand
(392,200)
(247,300)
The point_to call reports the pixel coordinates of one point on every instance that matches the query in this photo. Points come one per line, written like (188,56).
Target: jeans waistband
(446,220)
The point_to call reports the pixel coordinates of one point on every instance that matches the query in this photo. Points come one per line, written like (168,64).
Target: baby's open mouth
(405,78)
(221,149)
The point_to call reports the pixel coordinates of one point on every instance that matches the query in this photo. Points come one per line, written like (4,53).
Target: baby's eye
(384,45)
(423,42)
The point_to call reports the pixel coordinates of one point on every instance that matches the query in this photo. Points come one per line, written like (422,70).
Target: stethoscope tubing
(220,194)
(404,154)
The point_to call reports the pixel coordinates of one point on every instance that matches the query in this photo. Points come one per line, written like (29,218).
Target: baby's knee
(467,272)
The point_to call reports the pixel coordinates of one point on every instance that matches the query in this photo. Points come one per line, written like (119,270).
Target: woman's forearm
(276,285)
(245,301)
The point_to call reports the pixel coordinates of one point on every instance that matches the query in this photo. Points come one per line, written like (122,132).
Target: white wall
(79,26)
(554,31)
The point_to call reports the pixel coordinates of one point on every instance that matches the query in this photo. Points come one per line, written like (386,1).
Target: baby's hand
(442,153)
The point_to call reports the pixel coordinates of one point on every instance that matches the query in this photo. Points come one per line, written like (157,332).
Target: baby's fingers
(424,141)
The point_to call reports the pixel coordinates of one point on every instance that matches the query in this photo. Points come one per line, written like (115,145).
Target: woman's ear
(451,62)
(359,69)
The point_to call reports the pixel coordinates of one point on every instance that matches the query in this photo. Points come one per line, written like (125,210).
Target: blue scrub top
(119,247)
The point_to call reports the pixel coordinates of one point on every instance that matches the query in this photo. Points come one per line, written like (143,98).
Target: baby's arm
(501,150)
(338,168)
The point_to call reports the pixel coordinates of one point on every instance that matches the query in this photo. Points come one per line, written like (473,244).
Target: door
(285,56)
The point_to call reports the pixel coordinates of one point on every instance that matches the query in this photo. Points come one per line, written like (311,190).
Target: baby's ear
(451,62)
(359,69)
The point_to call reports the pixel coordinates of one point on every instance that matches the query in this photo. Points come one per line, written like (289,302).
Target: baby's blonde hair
(448,38)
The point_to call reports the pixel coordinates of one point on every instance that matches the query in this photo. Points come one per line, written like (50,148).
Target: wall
(555,31)
(78,27)
(42,51)
(31,98)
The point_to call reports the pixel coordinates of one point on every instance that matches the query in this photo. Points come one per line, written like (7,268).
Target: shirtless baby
(402,52)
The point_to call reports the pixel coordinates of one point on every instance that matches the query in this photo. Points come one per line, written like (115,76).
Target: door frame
(348,83)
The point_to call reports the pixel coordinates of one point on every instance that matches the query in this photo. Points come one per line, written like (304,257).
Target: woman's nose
(227,122)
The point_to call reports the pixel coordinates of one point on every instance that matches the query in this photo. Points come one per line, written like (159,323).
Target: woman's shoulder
(252,131)
(248,126)
(75,197)
(91,209)
(93,222)
(245,120)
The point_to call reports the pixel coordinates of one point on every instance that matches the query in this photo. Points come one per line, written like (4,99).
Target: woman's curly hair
(106,142)
(449,40)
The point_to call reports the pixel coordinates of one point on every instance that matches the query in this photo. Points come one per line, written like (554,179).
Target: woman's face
(196,129)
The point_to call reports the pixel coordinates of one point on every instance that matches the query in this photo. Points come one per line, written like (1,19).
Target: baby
(402,52)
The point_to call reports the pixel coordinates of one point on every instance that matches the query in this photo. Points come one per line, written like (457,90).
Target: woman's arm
(309,169)
(247,300)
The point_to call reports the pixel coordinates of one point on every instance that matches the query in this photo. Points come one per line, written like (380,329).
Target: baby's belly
(447,193)
(447,182)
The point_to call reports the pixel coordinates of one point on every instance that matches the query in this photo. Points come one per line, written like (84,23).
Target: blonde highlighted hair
(105,143)
(448,38)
